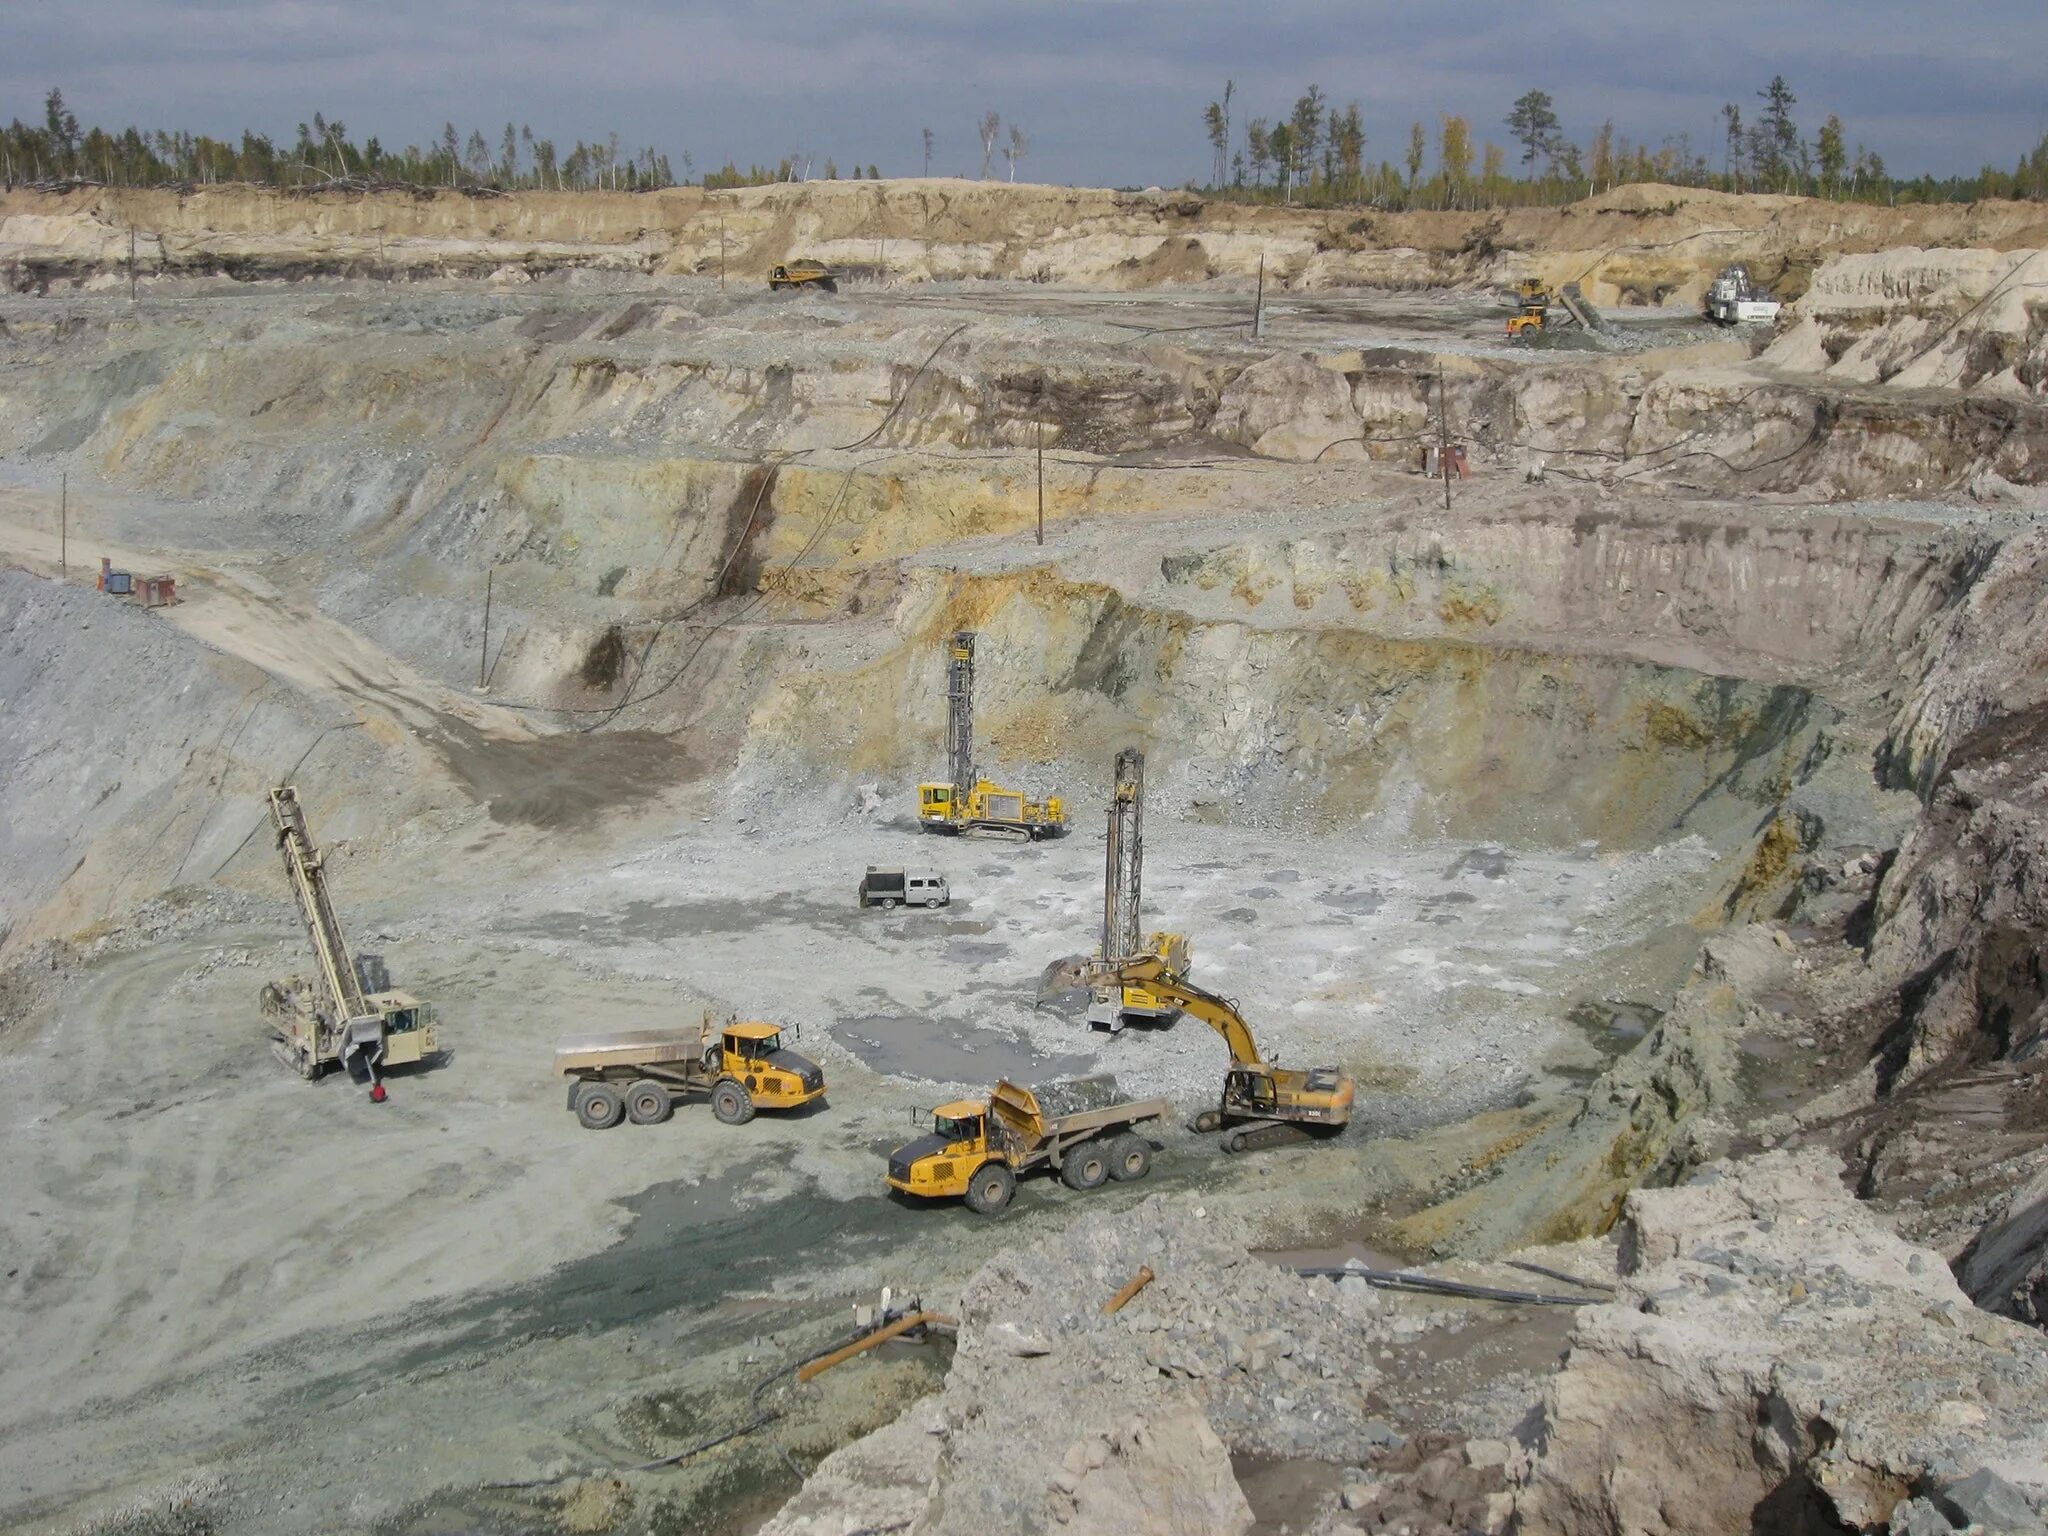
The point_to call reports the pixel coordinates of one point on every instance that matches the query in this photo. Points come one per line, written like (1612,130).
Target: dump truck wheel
(732,1103)
(1086,1167)
(990,1189)
(648,1103)
(601,1107)
(1130,1157)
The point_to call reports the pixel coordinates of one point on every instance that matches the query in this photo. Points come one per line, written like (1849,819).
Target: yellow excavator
(1262,1105)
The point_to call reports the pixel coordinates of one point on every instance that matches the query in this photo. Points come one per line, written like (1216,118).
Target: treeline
(60,152)
(1318,154)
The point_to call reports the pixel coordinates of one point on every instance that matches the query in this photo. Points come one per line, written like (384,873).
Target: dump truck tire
(601,1107)
(1130,1157)
(1086,1167)
(990,1189)
(648,1102)
(731,1102)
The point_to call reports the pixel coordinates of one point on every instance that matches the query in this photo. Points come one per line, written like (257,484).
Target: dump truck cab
(941,1162)
(774,1076)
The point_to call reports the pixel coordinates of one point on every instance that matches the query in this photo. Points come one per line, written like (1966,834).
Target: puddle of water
(1359,902)
(1450,899)
(1614,1027)
(1491,861)
(967,927)
(946,1052)
(967,952)
(1282,876)
(1763,1047)
(1239,915)
(1262,893)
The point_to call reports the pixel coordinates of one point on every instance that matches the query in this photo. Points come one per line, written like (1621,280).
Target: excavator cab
(1249,1092)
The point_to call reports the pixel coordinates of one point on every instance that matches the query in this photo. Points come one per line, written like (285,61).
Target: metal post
(1041,477)
(1443,439)
(1259,304)
(483,660)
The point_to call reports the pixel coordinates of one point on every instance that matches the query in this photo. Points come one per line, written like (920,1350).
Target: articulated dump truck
(638,1074)
(977,1148)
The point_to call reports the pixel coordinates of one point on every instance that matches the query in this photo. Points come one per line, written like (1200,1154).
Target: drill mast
(960,715)
(1124,861)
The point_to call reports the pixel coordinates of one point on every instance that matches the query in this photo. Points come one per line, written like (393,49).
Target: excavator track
(1262,1135)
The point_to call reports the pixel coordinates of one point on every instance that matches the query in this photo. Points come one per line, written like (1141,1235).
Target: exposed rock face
(1056,1418)
(1778,1360)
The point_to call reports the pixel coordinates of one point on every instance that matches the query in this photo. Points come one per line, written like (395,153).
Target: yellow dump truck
(803,274)
(977,1148)
(638,1075)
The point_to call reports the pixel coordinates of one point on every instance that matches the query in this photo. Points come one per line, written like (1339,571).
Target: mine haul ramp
(638,1075)
(977,1149)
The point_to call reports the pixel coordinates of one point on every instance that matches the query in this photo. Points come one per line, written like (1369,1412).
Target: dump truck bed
(1037,1133)
(624,1048)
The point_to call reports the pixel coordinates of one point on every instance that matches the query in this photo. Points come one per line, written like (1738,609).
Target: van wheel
(888,901)
(601,1107)
(1086,1167)
(990,1189)
(732,1103)
(648,1103)
(1130,1157)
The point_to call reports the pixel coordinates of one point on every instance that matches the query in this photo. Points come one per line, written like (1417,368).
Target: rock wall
(1778,1360)
(1637,244)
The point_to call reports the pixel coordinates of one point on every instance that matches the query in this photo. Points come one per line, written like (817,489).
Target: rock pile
(1058,1418)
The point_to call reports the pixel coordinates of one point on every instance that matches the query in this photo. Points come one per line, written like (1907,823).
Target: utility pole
(1443,439)
(63,525)
(1259,304)
(721,252)
(1040,413)
(483,660)
(131,263)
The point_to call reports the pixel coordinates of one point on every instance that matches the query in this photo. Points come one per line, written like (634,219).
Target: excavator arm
(1080,972)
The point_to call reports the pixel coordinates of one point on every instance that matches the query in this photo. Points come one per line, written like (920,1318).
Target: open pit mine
(1018,883)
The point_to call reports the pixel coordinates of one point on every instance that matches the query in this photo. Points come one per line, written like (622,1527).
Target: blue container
(121,582)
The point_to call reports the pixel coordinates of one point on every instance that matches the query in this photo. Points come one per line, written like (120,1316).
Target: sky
(1107,92)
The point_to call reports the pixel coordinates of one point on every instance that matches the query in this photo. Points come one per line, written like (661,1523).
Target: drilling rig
(338,1017)
(967,803)
(1112,1007)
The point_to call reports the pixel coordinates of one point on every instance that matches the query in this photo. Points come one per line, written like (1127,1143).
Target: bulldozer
(802,274)
(968,802)
(347,1014)
(1262,1105)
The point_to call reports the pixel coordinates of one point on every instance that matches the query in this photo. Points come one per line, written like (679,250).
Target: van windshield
(966,1128)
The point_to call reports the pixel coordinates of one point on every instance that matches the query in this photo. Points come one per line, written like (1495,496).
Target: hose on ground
(1395,1280)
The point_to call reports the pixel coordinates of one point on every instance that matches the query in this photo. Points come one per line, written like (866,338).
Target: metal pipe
(1391,1280)
(862,1345)
(1121,1299)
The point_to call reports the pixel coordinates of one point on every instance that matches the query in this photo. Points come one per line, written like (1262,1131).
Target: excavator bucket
(1069,974)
